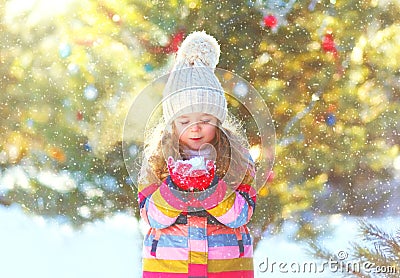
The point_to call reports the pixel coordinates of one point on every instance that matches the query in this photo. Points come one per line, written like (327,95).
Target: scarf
(208,152)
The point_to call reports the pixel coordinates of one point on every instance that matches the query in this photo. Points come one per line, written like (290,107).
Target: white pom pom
(199,49)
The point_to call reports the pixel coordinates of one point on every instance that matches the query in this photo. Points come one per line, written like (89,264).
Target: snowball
(197,163)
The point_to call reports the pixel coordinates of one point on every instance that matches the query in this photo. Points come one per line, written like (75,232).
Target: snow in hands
(191,167)
(195,173)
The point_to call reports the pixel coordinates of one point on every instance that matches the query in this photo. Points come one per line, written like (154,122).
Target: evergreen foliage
(328,70)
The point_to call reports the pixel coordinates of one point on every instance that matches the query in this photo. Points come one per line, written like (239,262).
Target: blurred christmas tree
(378,256)
(328,70)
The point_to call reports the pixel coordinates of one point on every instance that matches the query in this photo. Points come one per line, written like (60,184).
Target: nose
(195,127)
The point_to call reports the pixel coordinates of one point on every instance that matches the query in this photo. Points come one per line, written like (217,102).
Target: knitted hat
(192,85)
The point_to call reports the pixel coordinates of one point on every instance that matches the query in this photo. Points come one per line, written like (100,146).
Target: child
(197,221)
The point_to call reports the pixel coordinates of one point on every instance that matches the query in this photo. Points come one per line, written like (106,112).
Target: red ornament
(79,115)
(172,46)
(270,21)
(175,41)
(328,45)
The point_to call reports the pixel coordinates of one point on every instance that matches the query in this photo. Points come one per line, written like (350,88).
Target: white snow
(197,163)
(34,247)
(19,176)
(14,177)
(61,182)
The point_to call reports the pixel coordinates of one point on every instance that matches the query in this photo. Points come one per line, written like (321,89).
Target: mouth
(195,139)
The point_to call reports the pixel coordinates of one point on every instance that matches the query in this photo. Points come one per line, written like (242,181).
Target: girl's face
(196,129)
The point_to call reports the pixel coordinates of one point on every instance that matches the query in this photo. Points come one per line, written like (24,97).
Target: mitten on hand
(190,176)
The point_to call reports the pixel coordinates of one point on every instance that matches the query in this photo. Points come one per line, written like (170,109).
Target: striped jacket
(213,242)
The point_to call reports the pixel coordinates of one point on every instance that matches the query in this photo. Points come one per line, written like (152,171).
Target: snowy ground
(33,247)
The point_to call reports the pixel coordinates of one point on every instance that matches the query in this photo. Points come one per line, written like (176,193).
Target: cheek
(182,133)
(211,131)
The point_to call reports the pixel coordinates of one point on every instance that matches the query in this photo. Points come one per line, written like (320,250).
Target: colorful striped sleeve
(159,205)
(237,208)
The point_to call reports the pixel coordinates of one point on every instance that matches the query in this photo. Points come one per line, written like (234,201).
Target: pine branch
(365,254)
(381,251)
(316,250)
(321,253)
(388,246)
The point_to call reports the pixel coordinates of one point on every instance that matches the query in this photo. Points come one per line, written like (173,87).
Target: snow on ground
(280,256)
(33,247)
